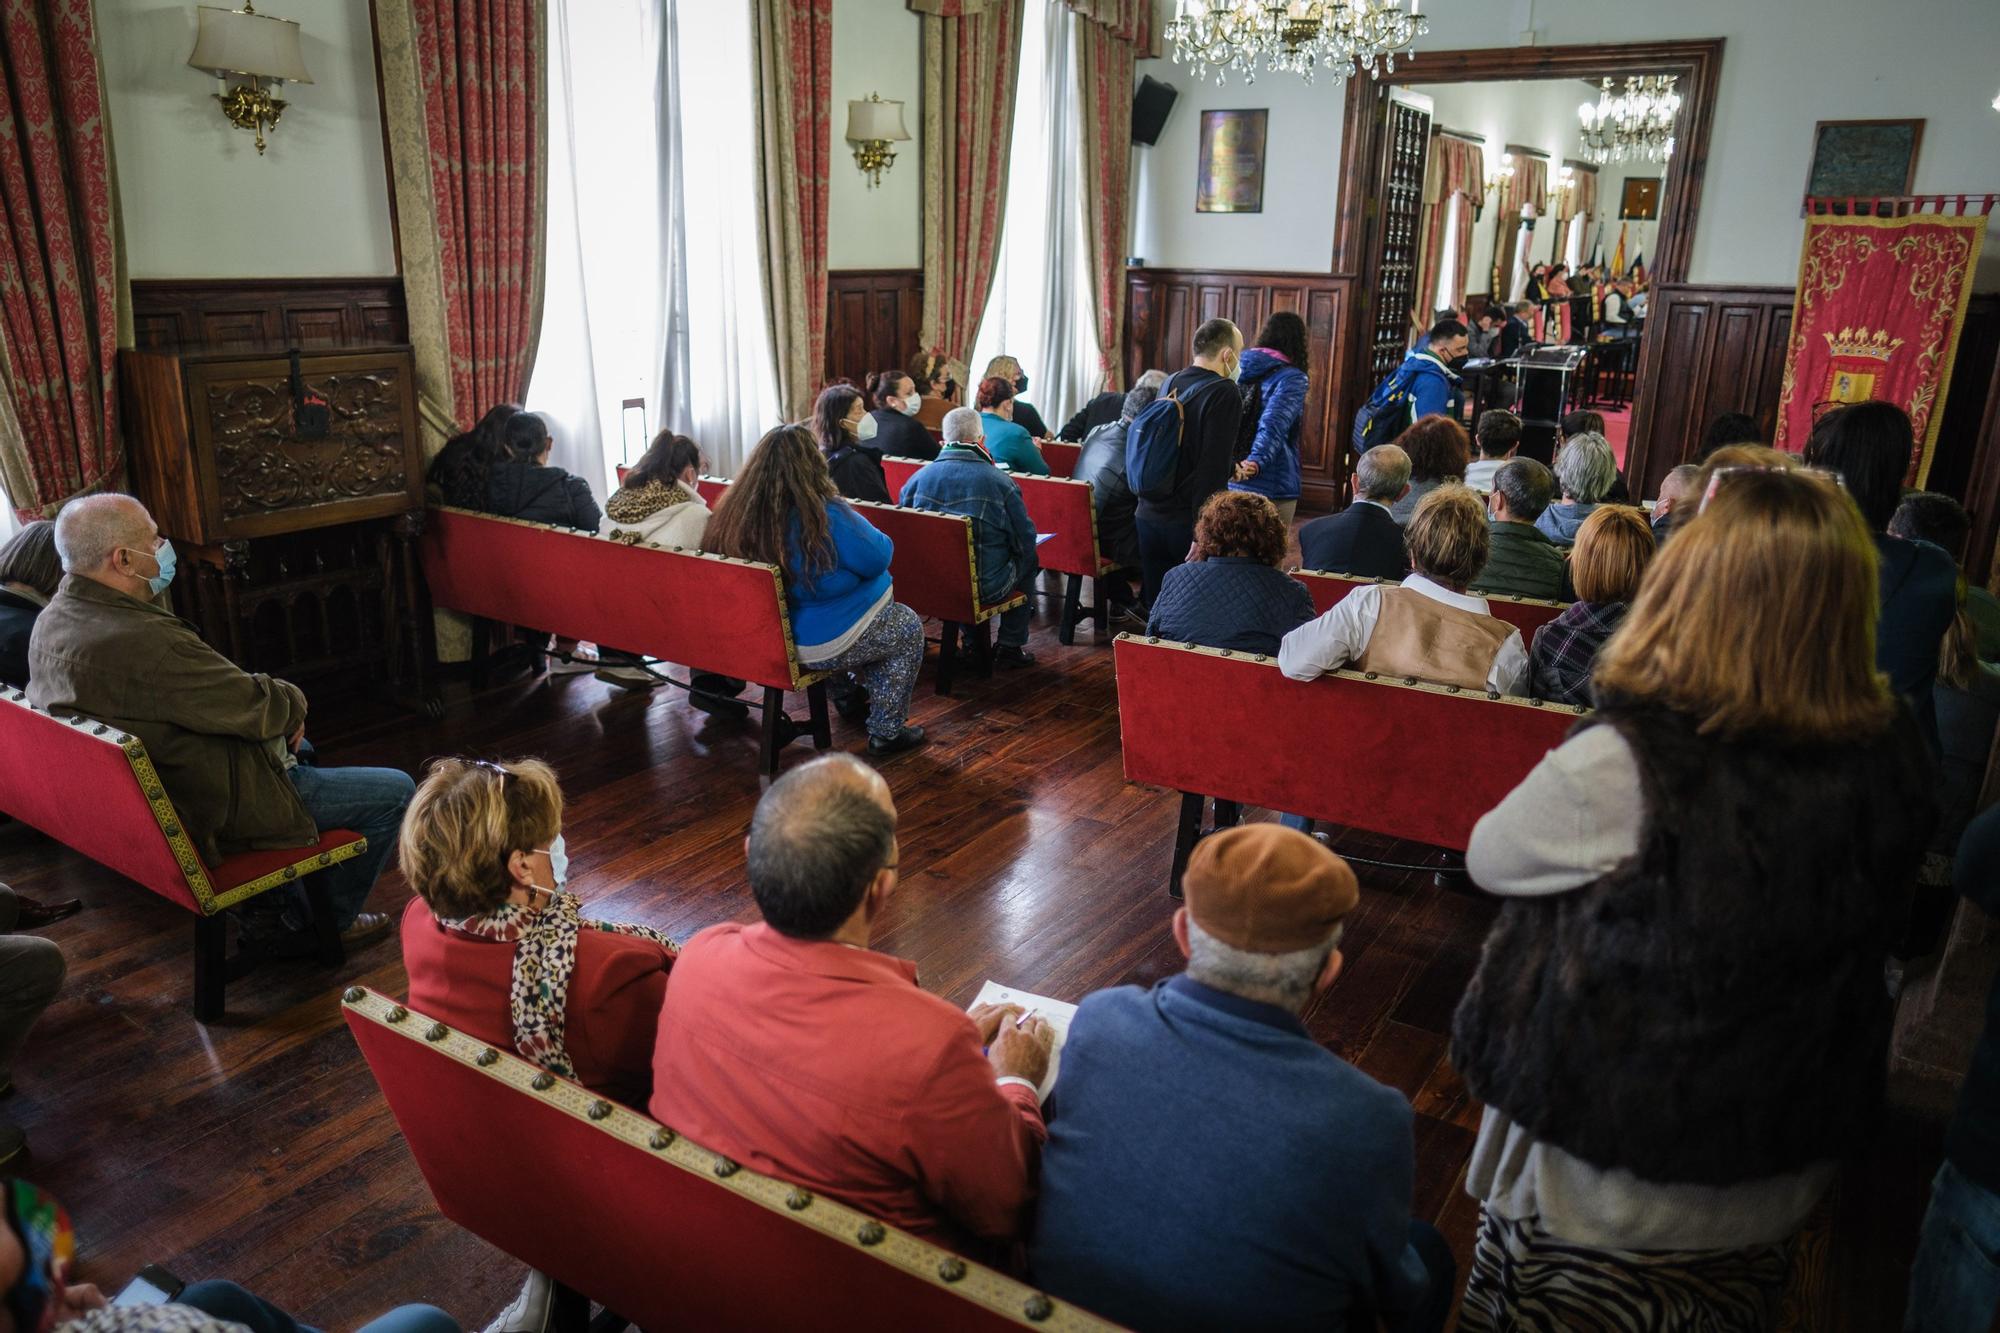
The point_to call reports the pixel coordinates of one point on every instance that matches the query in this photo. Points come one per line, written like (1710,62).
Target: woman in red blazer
(495,948)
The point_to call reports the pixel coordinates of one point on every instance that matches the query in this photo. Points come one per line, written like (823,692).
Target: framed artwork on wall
(1863,159)
(1230,176)
(1640,200)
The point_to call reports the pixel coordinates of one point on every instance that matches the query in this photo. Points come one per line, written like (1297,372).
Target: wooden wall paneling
(874,321)
(1954,460)
(1163,307)
(243,314)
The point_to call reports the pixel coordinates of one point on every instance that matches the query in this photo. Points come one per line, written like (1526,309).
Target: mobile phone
(153,1286)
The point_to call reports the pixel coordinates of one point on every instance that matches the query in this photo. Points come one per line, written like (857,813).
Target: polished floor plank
(258,1148)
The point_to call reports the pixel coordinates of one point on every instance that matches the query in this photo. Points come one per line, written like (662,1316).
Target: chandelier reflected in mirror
(1249,37)
(1636,124)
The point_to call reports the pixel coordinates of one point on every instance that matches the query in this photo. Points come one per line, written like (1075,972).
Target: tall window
(654,291)
(1573,252)
(1040,309)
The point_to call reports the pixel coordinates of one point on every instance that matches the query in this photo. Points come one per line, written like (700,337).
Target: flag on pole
(1597,247)
(1639,265)
(1618,255)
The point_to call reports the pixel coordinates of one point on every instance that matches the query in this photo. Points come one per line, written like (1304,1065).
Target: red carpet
(1617,425)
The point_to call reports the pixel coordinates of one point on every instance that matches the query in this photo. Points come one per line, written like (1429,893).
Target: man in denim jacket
(965,480)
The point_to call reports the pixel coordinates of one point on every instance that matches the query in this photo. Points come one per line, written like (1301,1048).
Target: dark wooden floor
(258,1149)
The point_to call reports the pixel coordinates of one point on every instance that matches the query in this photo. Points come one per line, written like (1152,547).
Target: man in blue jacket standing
(1422,386)
(963,479)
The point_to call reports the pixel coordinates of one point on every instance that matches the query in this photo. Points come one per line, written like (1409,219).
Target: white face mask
(864,429)
(910,405)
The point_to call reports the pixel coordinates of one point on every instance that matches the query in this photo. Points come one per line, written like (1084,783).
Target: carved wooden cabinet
(300,540)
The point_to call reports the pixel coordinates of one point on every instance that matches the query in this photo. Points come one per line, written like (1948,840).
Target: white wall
(877,48)
(1788,63)
(1301,163)
(196,199)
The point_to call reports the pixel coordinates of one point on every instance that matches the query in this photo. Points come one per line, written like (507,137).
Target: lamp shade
(875,119)
(232,42)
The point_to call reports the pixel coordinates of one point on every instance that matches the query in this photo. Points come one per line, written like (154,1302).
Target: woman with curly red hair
(1233,592)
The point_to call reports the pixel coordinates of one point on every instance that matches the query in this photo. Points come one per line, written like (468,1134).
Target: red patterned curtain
(1114,35)
(59,262)
(1454,173)
(795,82)
(468,132)
(972,64)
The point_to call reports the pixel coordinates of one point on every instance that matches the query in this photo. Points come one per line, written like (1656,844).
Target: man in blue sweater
(1209,1164)
(1424,385)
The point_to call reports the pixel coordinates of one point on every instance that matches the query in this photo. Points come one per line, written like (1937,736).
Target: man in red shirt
(793,1048)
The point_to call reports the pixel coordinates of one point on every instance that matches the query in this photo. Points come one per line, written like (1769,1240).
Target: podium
(1544,379)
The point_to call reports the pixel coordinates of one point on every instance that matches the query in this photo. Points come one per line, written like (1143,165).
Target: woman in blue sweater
(783,510)
(1006,439)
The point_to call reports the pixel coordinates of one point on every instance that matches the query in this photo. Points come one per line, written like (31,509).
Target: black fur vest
(1714,1010)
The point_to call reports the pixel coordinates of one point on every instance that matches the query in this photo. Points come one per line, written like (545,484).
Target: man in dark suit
(1364,539)
(1515,335)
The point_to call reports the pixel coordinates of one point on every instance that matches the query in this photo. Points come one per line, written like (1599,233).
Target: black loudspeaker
(1150,106)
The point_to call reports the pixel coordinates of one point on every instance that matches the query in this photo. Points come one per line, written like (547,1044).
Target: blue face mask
(165,559)
(558,861)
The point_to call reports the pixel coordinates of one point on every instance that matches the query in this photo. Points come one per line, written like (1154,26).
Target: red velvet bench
(1061,457)
(620,1210)
(1397,757)
(707,612)
(93,788)
(935,572)
(1526,614)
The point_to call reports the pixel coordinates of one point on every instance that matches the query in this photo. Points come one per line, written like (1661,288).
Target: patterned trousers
(885,660)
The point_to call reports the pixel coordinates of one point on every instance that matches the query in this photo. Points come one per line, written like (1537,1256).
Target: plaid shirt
(1566,648)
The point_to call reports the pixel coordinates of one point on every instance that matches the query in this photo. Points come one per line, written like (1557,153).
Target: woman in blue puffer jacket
(1274,368)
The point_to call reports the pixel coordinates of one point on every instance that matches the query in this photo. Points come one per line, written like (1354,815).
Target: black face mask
(1458,362)
(1021,383)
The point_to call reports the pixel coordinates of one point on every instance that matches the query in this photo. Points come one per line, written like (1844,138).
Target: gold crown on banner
(1878,346)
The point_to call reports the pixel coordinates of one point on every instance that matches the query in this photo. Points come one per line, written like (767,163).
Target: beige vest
(1422,637)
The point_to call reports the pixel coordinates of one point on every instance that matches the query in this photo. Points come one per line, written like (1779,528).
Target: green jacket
(1522,562)
(216,733)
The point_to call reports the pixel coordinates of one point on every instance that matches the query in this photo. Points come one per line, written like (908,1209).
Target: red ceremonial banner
(1878,313)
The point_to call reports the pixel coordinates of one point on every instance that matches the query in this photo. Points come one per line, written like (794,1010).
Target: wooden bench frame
(1527,614)
(772,739)
(540,1123)
(207,891)
(1448,824)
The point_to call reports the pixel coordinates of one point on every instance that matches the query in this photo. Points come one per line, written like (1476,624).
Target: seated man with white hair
(225,741)
(963,479)
(1586,470)
(1211,1165)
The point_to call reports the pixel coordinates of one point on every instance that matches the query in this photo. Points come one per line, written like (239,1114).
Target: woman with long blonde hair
(1678,1025)
(784,510)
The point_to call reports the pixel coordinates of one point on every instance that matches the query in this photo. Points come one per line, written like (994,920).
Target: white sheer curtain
(1039,311)
(1448,295)
(627,314)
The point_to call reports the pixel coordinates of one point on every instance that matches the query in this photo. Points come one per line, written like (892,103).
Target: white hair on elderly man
(1281,979)
(961,426)
(90,528)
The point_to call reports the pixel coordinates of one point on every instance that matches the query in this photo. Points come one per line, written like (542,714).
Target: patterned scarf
(544,957)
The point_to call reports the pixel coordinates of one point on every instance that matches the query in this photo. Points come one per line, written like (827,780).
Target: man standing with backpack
(1182,449)
(1422,386)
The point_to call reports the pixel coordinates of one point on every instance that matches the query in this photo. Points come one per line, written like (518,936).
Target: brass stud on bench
(599,1109)
(661,1140)
(1039,1307)
(436,1032)
(486,1058)
(724,1168)
(543,1081)
(799,1200)
(291,872)
(353,995)
(397,1013)
(871,1233)
(951,1269)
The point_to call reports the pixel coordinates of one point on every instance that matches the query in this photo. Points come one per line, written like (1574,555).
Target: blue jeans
(1955,1278)
(370,801)
(229,1302)
(1020,577)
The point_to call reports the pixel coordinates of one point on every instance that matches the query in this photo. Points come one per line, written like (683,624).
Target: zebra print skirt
(1524,1280)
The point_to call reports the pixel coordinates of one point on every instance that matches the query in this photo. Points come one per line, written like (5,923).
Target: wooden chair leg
(211,966)
(947,656)
(1227,814)
(774,710)
(1072,599)
(822,726)
(332,953)
(1184,838)
(982,647)
(482,652)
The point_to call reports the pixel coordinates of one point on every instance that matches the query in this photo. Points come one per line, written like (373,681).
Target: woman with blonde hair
(1612,548)
(1025,416)
(1427,627)
(784,510)
(1678,1025)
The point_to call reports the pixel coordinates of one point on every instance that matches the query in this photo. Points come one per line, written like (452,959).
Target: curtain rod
(1466,135)
(1525,151)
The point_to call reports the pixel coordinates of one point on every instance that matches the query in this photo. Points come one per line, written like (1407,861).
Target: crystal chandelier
(1292,36)
(1636,124)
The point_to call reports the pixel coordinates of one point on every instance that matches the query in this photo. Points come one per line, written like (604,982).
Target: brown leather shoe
(34,915)
(367,928)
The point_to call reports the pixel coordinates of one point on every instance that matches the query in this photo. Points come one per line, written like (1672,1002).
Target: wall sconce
(871,127)
(1500,177)
(1564,185)
(242,41)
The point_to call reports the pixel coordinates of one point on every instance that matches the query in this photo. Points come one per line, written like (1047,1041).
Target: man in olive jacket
(224,740)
